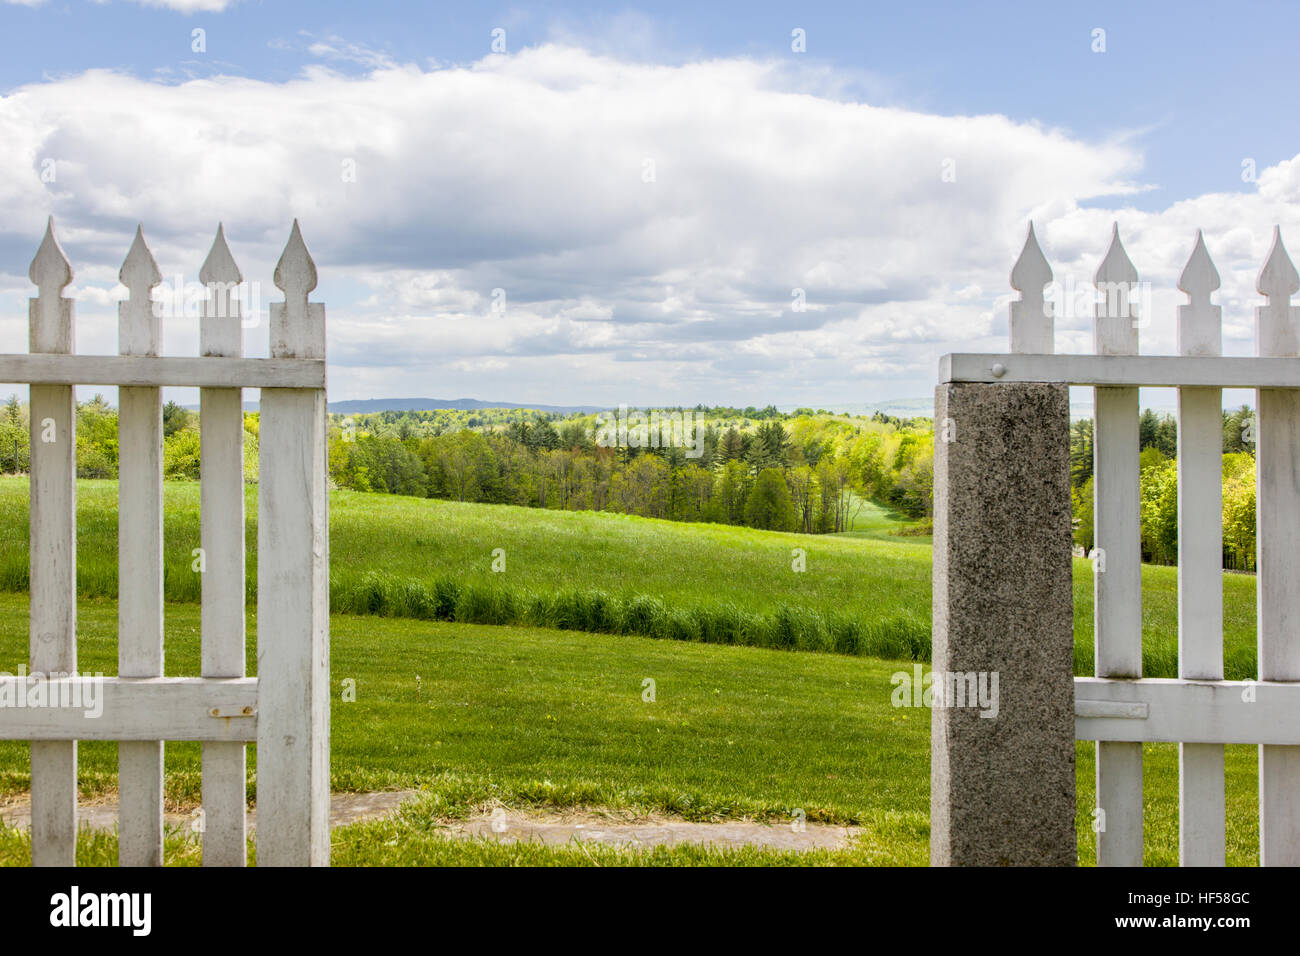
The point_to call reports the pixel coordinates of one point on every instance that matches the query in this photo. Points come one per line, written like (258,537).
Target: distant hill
(897,407)
(361,406)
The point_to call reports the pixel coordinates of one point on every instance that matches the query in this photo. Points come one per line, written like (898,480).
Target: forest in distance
(805,471)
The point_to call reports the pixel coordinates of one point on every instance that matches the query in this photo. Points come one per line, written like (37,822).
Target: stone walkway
(554,828)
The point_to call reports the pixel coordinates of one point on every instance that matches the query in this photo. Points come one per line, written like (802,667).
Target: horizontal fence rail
(129,708)
(1154,371)
(133,370)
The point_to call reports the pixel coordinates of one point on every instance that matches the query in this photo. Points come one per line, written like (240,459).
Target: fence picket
(53,588)
(221,427)
(1277,460)
(293,588)
(140,549)
(1201,806)
(1118,577)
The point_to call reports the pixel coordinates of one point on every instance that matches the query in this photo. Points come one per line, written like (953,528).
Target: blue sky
(678,292)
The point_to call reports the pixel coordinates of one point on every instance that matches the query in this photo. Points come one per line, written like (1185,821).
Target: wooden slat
(162,371)
(221,421)
(134,708)
(140,549)
(1170,371)
(1201,806)
(1156,710)
(1278,531)
(53,588)
(1117,592)
(293,589)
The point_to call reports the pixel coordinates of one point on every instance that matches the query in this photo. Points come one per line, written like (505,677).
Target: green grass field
(535,717)
(531,718)
(865,593)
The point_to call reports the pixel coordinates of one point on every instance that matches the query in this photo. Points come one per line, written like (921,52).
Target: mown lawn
(864,593)
(530,718)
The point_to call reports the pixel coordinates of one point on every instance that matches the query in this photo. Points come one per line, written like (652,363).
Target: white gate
(1199,710)
(285,710)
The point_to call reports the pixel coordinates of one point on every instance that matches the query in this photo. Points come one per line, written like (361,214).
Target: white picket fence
(285,710)
(1199,710)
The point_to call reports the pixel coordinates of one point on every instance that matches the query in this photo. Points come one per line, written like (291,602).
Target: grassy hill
(864,593)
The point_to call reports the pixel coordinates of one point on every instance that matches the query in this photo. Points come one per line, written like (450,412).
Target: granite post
(1002,769)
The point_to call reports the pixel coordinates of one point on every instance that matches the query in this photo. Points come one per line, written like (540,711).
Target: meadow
(863,593)
(544,709)
(477,717)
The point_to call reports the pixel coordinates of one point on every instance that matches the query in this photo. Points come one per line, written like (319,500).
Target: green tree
(769,503)
(1237,426)
(1081,452)
(175,418)
(181,455)
(1239,511)
(1159,511)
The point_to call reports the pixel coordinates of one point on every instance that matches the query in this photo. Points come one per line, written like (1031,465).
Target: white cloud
(189,6)
(527,173)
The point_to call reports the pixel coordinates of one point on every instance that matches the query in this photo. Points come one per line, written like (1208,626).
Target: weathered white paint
(1032,326)
(53,589)
(1277,459)
(221,423)
(1118,578)
(1165,710)
(140,550)
(134,708)
(164,371)
(1202,819)
(293,588)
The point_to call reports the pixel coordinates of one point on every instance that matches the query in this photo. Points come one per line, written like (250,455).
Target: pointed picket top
(1199,277)
(50,272)
(220,264)
(139,272)
(1276,323)
(1115,327)
(1032,271)
(139,329)
(1278,278)
(295,273)
(221,330)
(297,326)
(1032,328)
(1117,266)
(1200,322)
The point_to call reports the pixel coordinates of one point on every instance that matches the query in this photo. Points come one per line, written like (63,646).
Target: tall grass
(790,627)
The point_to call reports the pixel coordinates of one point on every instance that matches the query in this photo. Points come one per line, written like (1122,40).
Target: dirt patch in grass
(550,828)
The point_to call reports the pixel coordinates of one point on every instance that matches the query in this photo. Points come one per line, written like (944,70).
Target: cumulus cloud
(567,226)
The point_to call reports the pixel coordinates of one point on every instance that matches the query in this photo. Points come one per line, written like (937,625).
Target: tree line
(1158,487)
(805,471)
